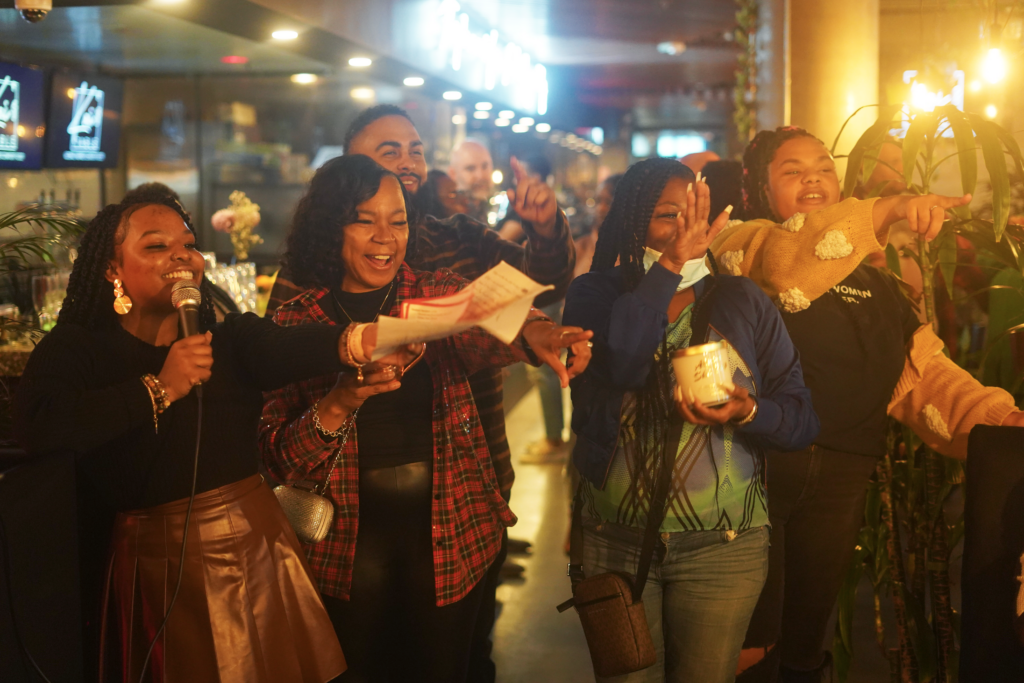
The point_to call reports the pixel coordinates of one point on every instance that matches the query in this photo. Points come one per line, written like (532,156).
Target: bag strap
(349,425)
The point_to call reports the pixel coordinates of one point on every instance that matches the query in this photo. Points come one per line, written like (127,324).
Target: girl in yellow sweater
(865,357)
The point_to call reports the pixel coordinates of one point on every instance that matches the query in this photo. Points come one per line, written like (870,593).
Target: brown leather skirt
(248,610)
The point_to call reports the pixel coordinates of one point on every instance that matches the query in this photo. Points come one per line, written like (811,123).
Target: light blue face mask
(693,270)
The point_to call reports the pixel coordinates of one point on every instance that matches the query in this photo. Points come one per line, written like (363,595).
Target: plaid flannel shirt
(470,248)
(468,512)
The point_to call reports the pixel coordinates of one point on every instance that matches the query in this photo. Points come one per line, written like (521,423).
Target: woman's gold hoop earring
(122,304)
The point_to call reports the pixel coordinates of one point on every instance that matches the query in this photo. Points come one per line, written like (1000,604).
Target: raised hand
(547,341)
(924,213)
(694,235)
(534,201)
(188,363)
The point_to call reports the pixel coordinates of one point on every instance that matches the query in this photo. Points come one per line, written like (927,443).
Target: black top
(852,342)
(81,392)
(395,428)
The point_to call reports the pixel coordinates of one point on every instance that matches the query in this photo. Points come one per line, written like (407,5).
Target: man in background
(471,167)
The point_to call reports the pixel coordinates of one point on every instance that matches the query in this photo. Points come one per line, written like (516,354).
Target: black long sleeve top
(82,392)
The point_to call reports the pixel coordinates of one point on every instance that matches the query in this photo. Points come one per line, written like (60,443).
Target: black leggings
(816,508)
(391,630)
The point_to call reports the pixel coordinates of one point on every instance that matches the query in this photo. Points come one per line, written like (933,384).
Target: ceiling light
(484,106)
(543,127)
(994,67)
(304,79)
(459,119)
(506,114)
(975,85)
(526,121)
(413,81)
(362,93)
(284,35)
(991,111)
(481,115)
(519,128)
(672,47)
(360,62)
(501,123)
(497,177)
(452,95)
(234,59)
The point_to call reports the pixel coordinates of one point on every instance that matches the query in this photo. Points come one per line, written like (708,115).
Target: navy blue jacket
(629,327)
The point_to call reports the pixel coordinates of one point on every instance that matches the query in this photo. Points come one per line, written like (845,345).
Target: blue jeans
(698,598)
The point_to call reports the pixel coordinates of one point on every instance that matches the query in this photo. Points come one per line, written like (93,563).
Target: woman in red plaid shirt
(419,514)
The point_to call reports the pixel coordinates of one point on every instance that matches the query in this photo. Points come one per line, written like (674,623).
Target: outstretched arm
(942,402)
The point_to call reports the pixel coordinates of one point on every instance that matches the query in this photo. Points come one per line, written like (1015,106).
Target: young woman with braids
(113,384)
(710,564)
(865,356)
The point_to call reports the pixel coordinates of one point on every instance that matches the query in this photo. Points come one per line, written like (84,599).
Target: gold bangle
(158,397)
(750,416)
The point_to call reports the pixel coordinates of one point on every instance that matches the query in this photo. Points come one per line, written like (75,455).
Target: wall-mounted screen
(84,128)
(21,117)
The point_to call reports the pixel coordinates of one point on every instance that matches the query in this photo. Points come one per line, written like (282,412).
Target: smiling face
(375,243)
(392,141)
(157,251)
(802,178)
(667,212)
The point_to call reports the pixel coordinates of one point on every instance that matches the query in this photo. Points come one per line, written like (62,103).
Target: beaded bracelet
(158,397)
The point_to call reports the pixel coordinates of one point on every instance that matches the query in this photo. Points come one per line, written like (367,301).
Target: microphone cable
(184,534)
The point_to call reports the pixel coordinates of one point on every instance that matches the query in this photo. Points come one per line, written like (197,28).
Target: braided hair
(90,297)
(756,159)
(622,237)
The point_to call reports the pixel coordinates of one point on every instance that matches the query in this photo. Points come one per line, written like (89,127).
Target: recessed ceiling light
(362,93)
(526,121)
(481,115)
(501,123)
(518,128)
(506,114)
(452,95)
(304,79)
(484,106)
(234,59)
(543,127)
(360,62)
(413,81)
(459,119)
(284,35)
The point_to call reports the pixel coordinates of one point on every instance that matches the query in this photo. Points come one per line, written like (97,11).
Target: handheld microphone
(186,298)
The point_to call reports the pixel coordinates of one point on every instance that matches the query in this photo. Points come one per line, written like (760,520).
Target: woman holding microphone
(113,384)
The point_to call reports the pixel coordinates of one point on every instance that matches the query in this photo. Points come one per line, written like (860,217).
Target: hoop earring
(122,304)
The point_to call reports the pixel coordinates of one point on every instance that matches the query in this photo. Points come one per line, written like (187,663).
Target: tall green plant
(904,544)
(28,237)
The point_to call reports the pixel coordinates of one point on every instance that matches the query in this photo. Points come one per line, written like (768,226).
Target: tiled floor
(533,643)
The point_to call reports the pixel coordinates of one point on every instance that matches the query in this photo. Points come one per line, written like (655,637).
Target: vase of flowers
(239,221)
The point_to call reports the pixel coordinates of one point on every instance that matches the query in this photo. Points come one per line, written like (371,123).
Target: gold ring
(590,344)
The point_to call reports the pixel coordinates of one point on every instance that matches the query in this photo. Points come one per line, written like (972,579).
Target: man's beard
(416,176)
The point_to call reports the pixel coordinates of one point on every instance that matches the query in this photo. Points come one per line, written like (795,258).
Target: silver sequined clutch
(311,513)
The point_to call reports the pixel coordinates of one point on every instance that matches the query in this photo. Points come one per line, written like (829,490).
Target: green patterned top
(717,482)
